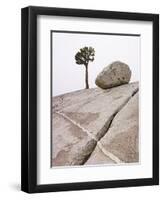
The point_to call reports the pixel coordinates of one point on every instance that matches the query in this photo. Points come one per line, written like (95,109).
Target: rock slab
(83,118)
(122,138)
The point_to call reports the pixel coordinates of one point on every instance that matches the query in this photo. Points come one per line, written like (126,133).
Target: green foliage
(85,55)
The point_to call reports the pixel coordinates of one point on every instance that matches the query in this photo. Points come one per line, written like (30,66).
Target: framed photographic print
(90,99)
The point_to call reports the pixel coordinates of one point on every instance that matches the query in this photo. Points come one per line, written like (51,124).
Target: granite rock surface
(96,126)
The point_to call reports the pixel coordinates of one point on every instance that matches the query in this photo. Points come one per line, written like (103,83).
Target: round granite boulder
(115,74)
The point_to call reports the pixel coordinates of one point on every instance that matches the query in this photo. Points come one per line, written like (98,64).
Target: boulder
(115,74)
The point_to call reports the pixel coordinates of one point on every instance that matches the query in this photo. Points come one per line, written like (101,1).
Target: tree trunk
(86,77)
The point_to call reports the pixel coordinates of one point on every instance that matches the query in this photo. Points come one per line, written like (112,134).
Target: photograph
(95,81)
(90,99)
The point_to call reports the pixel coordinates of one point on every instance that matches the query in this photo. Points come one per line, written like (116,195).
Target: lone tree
(83,57)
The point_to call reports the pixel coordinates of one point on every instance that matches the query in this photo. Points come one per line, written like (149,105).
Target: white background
(10,100)
(47,175)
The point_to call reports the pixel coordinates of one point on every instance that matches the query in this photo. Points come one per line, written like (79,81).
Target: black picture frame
(29,99)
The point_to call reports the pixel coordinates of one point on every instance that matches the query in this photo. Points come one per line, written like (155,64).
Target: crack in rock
(102,132)
(78,125)
(107,153)
(98,143)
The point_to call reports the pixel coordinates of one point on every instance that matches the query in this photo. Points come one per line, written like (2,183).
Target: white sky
(67,76)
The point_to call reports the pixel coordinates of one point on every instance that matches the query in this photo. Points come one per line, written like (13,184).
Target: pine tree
(83,57)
